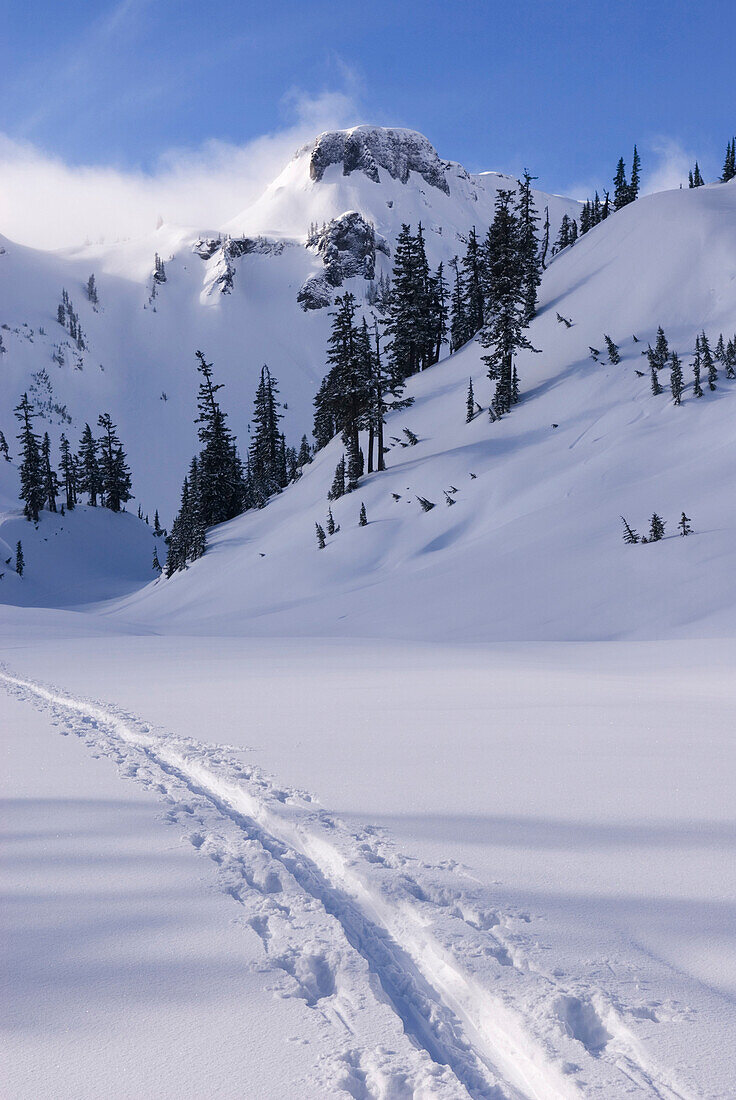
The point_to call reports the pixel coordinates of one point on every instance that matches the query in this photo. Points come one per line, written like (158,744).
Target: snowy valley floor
(509,873)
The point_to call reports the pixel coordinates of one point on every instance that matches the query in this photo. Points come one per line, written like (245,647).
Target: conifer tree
(330,522)
(730,360)
(4,448)
(708,362)
(470,403)
(69,473)
(338,482)
(115,482)
(158,532)
(720,352)
(304,456)
(661,349)
(92,290)
(676,385)
(529,245)
(19,559)
(613,353)
(729,164)
(505,309)
(630,535)
(459,327)
(695,179)
(221,481)
(635,176)
(656,528)
(472,264)
(362,518)
(656,388)
(50,480)
(156,564)
(684,525)
(620,186)
(565,235)
(30,469)
(90,481)
(545,239)
(697,387)
(320,537)
(266,453)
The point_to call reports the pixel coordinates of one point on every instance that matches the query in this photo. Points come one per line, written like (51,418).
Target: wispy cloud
(670,167)
(47,203)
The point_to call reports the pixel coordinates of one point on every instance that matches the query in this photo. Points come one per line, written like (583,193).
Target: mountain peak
(367,148)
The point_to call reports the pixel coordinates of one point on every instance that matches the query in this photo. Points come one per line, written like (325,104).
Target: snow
(444,810)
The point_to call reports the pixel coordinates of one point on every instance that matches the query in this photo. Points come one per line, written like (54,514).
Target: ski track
(422,987)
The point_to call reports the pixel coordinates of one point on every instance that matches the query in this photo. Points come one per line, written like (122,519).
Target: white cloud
(47,203)
(670,168)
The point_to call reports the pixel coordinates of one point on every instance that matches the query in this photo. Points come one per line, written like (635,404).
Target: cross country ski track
(422,985)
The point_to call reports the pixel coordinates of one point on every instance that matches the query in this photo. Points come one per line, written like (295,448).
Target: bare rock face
(224,251)
(367,148)
(348,248)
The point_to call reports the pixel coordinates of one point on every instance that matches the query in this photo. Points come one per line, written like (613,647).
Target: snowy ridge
(458,1011)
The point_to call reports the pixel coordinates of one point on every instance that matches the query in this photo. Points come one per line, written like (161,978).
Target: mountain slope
(232,293)
(532,547)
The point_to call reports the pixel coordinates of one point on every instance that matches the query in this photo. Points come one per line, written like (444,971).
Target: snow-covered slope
(235,299)
(531,546)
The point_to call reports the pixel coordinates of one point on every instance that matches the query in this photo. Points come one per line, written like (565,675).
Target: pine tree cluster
(68,318)
(99,468)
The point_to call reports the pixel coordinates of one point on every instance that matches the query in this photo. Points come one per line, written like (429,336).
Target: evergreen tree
(661,350)
(320,537)
(613,353)
(620,186)
(90,480)
(470,403)
(545,239)
(115,483)
(676,385)
(31,469)
(697,388)
(266,453)
(459,325)
(630,535)
(330,522)
(635,176)
(338,482)
(472,264)
(565,236)
(730,361)
(729,164)
(529,245)
(656,529)
(19,559)
(720,352)
(4,448)
(438,313)
(684,525)
(708,362)
(157,530)
(92,290)
(695,179)
(505,308)
(156,564)
(305,456)
(656,388)
(50,480)
(221,481)
(404,324)
(69,473)
(362,518)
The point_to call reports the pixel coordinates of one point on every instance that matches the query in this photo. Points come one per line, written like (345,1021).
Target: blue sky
(562,87)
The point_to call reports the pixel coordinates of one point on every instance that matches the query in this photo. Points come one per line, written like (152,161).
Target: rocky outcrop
(348,247)
(222,251)
(367,148)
